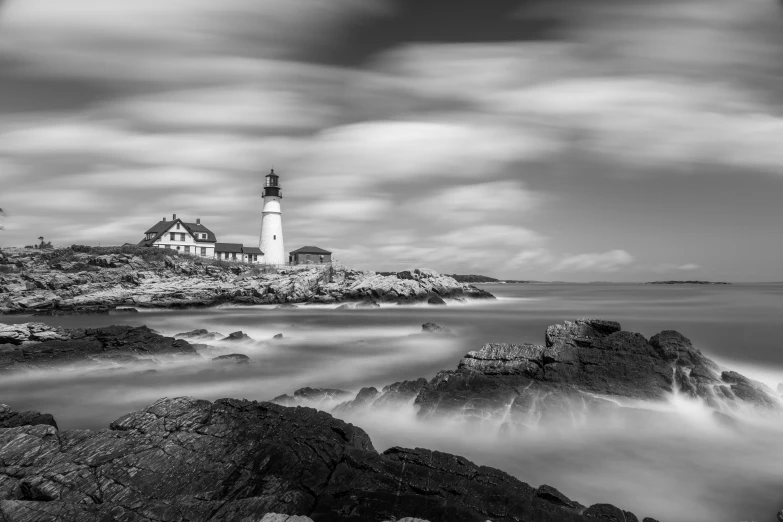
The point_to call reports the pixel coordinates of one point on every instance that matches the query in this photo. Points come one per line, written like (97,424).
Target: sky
(577,140)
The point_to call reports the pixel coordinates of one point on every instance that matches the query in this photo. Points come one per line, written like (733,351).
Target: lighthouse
(271,241)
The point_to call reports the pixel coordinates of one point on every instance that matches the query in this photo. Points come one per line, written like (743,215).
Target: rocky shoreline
(187,459)
(282,460)
(67,282)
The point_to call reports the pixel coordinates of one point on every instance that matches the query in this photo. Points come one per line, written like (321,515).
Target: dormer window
(177,226)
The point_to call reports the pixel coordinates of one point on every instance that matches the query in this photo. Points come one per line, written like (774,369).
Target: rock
(237,336)
(362,401)
(188,459)
(435,300)
(238,358)
(285,306)
(434,329)
(528,384)
(367,303)
(277,336)
(124,311)
(27,333)
(200,334)
(113,344)
(275,517)
(10,418)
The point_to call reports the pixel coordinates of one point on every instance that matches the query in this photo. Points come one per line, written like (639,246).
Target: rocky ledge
(65,281)
(36,346)
(585,367)
(187,459)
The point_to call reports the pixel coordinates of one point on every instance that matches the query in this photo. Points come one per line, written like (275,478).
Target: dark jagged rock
(123,310)
(10,418)
(582,362)
(238,358)
(432,328)
(313,397)
(187,459)
(112,344)
(363,400)
(200,334)
(237,336)
(367,303)
(436,300)
(277,336)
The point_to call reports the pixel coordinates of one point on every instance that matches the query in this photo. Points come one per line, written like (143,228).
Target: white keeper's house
(188,238)
(197,240)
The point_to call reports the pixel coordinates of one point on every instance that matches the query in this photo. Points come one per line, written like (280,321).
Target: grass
(148,254)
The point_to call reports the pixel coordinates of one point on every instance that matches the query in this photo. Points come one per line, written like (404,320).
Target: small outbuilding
(252,255)
(229,251)
(309,255)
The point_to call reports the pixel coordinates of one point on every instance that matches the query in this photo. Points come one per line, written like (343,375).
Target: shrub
(81,248)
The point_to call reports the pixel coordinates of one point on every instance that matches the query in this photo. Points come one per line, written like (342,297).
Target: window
(233,256)
(182,237)
(203,251)
(168,246)
(203,236)
(187,249)
(173,236)
(274,237)
(255,257)
(177,226)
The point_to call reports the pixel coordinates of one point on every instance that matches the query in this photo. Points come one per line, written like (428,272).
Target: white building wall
(188,245)
(271,242)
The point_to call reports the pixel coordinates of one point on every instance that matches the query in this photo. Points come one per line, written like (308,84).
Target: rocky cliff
(585,367)
(65,281)
(186,459)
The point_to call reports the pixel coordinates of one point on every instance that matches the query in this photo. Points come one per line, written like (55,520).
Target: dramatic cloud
(625,122)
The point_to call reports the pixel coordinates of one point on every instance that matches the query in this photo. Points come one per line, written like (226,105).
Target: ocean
(688,470)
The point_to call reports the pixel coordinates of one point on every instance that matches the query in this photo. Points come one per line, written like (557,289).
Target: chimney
(164,218)
(198,221)
(174,218)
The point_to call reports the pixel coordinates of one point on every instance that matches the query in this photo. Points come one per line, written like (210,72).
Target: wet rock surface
(10,418)
(434,329)
(237,358)
(188,459)
(109,345)
(585,367)
(63,281)
(200,334)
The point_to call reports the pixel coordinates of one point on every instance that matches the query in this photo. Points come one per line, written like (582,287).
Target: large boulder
(188,459)
(586,366)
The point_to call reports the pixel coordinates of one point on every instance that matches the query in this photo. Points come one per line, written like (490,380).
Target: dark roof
(310,250)
(201,229)
(228,247)
(252,250)
(161,227)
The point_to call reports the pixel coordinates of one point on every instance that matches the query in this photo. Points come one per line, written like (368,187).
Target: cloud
(595,262)
(669,267)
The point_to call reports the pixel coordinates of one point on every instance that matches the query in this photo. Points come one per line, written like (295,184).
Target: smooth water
(689,469)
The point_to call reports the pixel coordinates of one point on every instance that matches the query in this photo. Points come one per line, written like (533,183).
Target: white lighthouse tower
(271,242)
